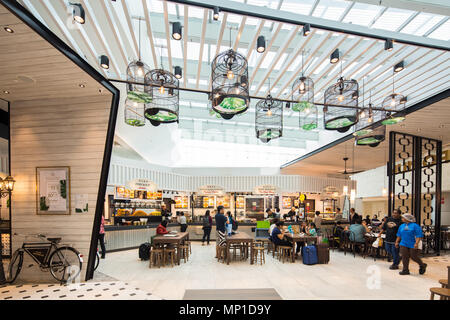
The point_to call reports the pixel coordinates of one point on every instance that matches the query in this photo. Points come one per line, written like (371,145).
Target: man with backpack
(207,226)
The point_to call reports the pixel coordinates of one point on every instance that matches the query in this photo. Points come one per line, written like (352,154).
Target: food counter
(132,236)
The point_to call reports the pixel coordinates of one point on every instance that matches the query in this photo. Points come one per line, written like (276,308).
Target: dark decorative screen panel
(414,172)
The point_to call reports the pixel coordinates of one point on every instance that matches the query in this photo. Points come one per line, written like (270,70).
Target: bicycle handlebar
(37,235)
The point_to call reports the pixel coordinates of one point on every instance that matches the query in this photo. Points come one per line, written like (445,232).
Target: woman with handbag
(409,236)
(207,226)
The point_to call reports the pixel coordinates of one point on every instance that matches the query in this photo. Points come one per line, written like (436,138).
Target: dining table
(239,237)
(176,239)
(297,237)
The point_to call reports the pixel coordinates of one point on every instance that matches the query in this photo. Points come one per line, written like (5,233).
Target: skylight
(362,14)
(421,24)
(442,33)
(300,7)
(392,19)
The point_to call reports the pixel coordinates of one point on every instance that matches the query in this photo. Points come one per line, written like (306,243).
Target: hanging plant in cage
(229,77)
(343,93)
(371,138)
(303,95)
(134,113)
(269,119)
(394,104)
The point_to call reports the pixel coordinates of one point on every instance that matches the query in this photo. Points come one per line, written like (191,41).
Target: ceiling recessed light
(6,92)
(8,29)
(81,85)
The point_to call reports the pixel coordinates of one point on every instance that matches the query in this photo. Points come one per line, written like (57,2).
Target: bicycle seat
(54,240)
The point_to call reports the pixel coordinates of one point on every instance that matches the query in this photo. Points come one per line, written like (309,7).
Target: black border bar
(29,19)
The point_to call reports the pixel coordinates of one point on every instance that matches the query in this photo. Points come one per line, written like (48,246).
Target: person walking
(207,226)
(101,237)
(183,222)
(318,220)
(409,235)
(390,228)
(221,221)
(353,216)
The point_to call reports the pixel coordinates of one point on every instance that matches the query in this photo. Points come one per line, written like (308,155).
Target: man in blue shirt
(278,235)
(408,237)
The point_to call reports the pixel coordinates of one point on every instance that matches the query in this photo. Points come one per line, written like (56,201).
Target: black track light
(288,105)
(261,44)
(388,45)
(176,31)
(306,29)
(399,66)
(216,13)
(403,100)
(178,72)
(78,13)
(334,58)
(104,62)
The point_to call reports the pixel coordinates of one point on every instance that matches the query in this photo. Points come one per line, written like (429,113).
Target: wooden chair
(258,251)
(156,256)
(187,242)
(284,253)
(444,293)
(169,253)
(184,250)
(444,283)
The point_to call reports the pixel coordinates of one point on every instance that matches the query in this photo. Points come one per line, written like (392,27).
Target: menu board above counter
(204,202)
(181,202)
(223,201)
(123,193)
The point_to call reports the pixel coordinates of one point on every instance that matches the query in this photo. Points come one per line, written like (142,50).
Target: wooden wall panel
(57,132)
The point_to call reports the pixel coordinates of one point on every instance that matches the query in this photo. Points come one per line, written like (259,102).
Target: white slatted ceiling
(120,175)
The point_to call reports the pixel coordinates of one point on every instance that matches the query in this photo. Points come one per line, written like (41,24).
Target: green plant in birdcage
(135,122)
(163,117)
(303,106)
(232,103)
(138,96)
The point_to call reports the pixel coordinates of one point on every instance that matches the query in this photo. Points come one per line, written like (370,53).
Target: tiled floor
(345,277)
(81,291)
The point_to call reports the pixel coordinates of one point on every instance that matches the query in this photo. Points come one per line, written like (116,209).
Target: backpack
(234,225)
(144,251)
(206,222)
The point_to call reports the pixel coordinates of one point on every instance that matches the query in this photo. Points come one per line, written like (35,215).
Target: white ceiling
(112,28)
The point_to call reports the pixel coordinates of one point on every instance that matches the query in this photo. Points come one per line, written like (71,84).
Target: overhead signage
(142,185)
(211,190)
(265,189)
(329,192)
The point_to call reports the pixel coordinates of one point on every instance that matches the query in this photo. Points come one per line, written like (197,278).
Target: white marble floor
(345,277)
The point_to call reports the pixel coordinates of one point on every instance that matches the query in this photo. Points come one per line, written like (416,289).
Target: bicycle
(60,261)
(97,260)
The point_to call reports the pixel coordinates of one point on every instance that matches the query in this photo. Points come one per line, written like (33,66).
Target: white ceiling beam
(261,58)
(130,26)
(239,33)
(280,52)
(185,44)
(440,7)
(166,23)
(202,44)
(150,32)
(315,22)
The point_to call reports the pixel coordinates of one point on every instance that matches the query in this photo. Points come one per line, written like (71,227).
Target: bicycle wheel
(15,266)
(97,261)
(63,262)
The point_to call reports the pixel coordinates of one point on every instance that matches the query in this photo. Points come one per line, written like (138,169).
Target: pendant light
(306,29)
(104,62)
(388,45)
(229,83)
(366,133)
(177,34)
(303,94)
(78,13)
(163,86)
(136,72)
(269,119)
(344,93)
(394,104)
(216,12)
(261,44)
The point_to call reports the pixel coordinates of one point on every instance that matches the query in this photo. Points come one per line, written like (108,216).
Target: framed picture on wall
(53,190)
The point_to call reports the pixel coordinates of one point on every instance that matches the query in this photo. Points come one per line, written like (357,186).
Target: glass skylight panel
(194,50)
(261,3)
(281,61)
(299,7)
(331,10)
(252,21)
(421,24)
(172,8)
(154,6)
(195,12)
(442,33)
(176,49)
(268,59)
(392,19)
(135,8)
(362,14)
(297,62)
(234,19)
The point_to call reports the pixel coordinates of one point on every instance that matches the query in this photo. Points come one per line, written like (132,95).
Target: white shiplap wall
(57,132)
(120,174)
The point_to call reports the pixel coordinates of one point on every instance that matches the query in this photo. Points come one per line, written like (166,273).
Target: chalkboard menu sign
(204,202)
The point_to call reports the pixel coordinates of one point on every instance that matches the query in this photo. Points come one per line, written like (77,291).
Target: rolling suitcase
(323,253)
(309,254)
(144,251)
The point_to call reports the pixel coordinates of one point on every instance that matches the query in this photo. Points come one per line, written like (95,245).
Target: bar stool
(258,250)
(184,252)
(284,253)
(156,255)
(444,283)
(169,253)
(444,293)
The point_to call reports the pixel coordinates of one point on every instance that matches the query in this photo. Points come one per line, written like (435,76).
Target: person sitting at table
(277,213)
(304,227)
(291,213)
(375,221)
(278,235)
(272,226)
(311,229)
(338,232)
(162,228)
(367,220)
(358,230)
